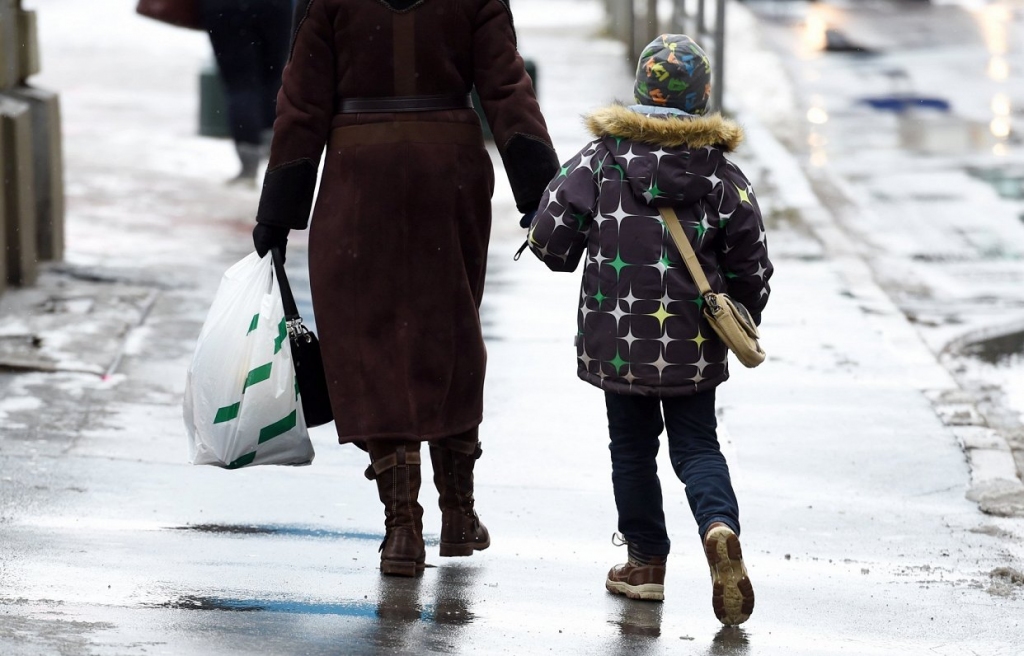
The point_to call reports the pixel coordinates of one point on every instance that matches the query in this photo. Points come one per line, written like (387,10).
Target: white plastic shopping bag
(242,404)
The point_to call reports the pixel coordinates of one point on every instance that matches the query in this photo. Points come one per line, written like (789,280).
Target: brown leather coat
(399,234)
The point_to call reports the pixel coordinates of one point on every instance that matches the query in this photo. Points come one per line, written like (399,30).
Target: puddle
(1008,183)
(940,258)
(227,529)
(386,609)
(997,362)
(905,102)
(277,529)
(285,530)
(201,603)
(1001,350)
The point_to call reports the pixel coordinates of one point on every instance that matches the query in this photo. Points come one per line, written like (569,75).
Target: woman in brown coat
(398,243)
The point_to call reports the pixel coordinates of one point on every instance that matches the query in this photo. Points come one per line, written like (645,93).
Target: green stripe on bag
(227,413)
(254,324)
(243,461)
(282,334)
(257,375)
(279,428)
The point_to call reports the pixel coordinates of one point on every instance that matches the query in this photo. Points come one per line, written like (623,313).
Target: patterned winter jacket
(640,326)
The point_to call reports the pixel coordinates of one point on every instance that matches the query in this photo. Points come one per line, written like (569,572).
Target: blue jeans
(635,424)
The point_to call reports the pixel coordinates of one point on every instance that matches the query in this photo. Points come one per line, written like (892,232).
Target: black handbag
(309,364)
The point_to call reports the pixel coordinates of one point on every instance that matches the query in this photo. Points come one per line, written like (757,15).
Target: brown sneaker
(732,595)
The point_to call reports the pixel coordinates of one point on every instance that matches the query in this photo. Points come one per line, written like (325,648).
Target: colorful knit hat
(674,72)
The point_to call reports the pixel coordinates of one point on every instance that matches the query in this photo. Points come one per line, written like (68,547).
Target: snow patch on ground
(20,404)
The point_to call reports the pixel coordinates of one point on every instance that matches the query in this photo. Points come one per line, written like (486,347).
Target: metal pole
(718,85)
(631,34)
(653,25)
(679,17)
(701,27)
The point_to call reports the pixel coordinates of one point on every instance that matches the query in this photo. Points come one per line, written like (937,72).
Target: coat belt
(433,103)
(391,132)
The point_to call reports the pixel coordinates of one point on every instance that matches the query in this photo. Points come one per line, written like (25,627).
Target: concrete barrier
(28,45)
(9,44)
(19,192)
(48,169)
(31,161)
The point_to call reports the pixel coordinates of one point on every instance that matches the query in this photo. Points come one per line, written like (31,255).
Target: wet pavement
(857,531)
(930,193)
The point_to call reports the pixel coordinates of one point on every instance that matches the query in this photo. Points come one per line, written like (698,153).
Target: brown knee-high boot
(453,459)
(396,468)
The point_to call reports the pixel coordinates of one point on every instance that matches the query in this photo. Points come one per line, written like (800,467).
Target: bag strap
(291,311)
(685,249)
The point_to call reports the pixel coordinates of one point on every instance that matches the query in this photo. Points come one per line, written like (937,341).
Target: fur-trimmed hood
(667,161)
(668,132)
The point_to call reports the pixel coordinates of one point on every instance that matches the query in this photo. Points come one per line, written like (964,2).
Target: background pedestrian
(250,42)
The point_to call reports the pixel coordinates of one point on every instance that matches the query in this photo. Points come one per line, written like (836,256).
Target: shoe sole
(732,594)
(458,550)
(407,568)
(642,592)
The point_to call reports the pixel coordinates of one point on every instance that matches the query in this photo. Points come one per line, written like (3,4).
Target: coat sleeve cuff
(287,196)
(531,164)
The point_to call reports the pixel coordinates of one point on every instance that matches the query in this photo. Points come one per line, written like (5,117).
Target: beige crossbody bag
(727,317)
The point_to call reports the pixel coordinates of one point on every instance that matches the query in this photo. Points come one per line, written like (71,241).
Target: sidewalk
(856,529)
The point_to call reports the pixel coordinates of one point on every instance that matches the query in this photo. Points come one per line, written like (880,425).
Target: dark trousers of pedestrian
(250,40)
(635,424)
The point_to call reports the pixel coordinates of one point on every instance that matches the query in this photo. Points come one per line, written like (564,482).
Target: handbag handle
(291,311)
(685,249)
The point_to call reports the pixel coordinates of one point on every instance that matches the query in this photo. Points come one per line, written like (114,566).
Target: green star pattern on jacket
(643,328)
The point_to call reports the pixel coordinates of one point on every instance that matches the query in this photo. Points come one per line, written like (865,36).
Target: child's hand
(527,219)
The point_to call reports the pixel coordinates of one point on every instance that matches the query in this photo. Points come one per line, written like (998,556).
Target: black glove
(265,237)
(527,219)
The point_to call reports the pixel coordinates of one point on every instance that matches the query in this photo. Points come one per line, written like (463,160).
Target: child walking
(642,336)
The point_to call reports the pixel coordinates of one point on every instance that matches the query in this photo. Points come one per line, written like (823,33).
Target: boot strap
(459,446)
(378,467)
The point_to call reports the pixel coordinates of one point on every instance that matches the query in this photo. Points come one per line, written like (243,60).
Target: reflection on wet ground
(400,599)
(730,641)
(415,617)
(452,596)
(635,618)
(290,531)
(639,626)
